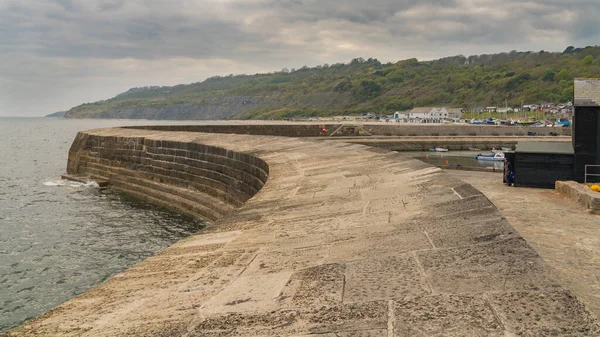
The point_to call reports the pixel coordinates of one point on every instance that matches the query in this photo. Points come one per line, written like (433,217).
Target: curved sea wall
(193,178)
(341,240)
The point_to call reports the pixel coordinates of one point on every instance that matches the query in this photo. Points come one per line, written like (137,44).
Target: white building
(401,116)
(455,113)
(428,115)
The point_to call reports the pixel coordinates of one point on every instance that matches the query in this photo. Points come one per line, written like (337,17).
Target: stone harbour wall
(311,238)
(192,178)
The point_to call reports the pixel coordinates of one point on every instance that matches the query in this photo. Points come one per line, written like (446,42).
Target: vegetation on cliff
(59,114)
(363,85)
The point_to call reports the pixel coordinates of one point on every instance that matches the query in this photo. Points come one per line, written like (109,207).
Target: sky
(56,54)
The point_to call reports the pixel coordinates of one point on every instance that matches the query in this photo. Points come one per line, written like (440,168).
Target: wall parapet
(378,129)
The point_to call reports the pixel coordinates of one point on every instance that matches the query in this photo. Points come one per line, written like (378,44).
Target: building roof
(545,147)
(425,109)
(587,92)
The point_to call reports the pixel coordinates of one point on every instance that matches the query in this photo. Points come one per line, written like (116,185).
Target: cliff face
(58,114)
(224,108)
(181,111)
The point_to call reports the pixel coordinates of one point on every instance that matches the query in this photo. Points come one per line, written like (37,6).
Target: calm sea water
(455,158)
(58,239)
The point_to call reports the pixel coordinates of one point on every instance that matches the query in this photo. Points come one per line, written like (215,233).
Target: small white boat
(498,156)
(474,149)
(438,149)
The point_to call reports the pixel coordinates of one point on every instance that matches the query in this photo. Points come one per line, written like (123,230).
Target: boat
(506,149)
(498,156)
(564,122)
(476,122)
(438,149)
(526,123)
(474,149)
(490,155)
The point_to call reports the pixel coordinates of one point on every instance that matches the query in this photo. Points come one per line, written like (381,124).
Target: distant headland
(59,114)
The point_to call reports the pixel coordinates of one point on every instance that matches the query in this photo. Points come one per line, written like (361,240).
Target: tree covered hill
(360,86)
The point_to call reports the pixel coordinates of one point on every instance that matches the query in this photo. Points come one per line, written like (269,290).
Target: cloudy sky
(55,54)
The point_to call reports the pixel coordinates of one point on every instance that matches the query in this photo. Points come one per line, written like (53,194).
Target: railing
(590,174)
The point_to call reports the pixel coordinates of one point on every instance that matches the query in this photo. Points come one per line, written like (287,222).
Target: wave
(68,183)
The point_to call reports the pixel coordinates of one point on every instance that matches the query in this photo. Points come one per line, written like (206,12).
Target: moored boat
(498,156)
(563,122)
(438,149)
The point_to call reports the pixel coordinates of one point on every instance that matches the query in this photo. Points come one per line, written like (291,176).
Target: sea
(60,238)
(456,158)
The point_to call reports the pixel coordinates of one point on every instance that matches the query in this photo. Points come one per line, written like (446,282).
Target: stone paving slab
(341,241)
(565,235)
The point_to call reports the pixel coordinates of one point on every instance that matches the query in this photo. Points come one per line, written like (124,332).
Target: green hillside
(360,86)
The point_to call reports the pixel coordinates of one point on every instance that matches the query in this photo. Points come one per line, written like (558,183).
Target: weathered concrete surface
(577,192)
(560,230)
(342,240)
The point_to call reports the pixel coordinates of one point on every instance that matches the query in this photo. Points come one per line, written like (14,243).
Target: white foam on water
(54,183)
(88,184)
(71,183)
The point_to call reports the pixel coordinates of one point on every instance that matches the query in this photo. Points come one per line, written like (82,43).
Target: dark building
(541,164)
(586,125)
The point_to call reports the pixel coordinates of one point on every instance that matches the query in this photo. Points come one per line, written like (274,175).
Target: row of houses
(443,114)
(552,108)
(429,115)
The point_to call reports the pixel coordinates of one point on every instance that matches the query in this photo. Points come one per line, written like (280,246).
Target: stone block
(507,265)
(543,313)
(445,315)
(396,276)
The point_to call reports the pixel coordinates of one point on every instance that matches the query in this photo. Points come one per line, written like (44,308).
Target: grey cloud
(137,27)
(70,37)
(67,5)
(110,6)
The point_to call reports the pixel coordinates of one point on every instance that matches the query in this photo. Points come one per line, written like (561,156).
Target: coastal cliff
(361,86)
(206,107)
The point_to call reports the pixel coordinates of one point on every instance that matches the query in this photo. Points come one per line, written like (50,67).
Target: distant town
(544,114)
